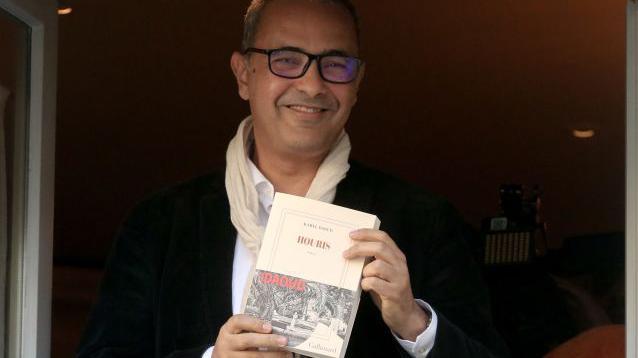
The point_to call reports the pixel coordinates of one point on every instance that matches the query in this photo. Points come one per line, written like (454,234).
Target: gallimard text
(322,348)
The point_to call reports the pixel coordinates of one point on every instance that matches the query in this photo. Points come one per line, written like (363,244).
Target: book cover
(302,284)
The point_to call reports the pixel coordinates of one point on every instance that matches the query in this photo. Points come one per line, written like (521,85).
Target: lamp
(64,8)
(583,133)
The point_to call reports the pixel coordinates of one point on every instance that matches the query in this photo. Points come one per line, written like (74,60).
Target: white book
(302,284)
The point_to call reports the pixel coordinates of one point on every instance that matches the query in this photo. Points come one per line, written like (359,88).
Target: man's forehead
(313,26)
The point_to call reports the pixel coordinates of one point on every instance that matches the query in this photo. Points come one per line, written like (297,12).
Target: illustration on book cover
(298,308)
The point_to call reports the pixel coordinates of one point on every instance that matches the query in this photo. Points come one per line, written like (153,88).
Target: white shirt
(244,260)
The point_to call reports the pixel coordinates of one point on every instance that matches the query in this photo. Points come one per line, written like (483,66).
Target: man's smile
(306,109)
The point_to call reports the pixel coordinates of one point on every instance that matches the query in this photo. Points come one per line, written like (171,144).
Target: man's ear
(239,65)
(362,72)
(357,81)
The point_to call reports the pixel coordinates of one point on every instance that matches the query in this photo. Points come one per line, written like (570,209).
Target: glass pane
(457,98)
(14,40)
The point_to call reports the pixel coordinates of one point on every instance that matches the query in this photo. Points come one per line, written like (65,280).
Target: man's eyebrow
(291,48)
(331,52)
(335,53)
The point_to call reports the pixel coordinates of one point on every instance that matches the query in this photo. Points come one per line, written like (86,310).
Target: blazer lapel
(355,191)
(217,244)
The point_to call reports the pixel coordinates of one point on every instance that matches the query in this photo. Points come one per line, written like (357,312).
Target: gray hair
(256,7)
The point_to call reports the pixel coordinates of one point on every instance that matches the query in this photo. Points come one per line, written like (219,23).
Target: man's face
(298,117)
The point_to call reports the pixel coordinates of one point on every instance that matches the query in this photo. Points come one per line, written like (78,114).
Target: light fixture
(583,133)
(64,8)
(583,128)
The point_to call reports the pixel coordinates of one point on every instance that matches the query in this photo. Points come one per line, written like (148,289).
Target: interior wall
(488,92)
(459,97)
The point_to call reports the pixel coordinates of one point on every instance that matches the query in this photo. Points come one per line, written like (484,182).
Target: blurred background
(459,97)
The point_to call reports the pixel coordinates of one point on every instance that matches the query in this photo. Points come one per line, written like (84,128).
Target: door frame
(28,327)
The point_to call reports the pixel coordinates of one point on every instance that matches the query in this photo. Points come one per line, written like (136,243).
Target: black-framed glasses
(293,63)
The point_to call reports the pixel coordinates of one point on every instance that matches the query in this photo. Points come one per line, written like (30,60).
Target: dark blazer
(167,287)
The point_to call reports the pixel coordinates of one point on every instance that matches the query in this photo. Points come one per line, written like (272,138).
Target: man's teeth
(305,109)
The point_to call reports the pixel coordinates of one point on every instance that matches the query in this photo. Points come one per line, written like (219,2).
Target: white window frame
(28,328)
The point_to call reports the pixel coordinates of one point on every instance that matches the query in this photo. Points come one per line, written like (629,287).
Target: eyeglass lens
(293,64)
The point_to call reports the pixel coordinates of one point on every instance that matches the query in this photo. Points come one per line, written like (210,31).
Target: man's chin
(309,147)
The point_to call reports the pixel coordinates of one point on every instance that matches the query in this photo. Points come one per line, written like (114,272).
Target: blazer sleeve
(121,321)
(454,287)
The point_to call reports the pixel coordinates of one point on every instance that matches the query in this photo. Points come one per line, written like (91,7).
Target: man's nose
(311,82)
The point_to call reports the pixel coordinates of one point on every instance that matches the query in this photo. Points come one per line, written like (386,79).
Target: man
(178,269)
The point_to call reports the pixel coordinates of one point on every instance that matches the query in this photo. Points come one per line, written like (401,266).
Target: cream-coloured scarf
(242,194)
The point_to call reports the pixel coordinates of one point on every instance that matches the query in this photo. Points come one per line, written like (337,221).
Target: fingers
(381,287)
(379,269)
(263,354)
(390,263)
(374,243)
(385,280)
(247,341)
(372,235)
(377,250)
(244,323)
(246,336)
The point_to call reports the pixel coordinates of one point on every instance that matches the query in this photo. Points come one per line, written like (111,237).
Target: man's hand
(245,336)
(387,280)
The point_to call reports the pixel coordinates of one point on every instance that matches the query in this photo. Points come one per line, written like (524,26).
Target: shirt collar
(265,189)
